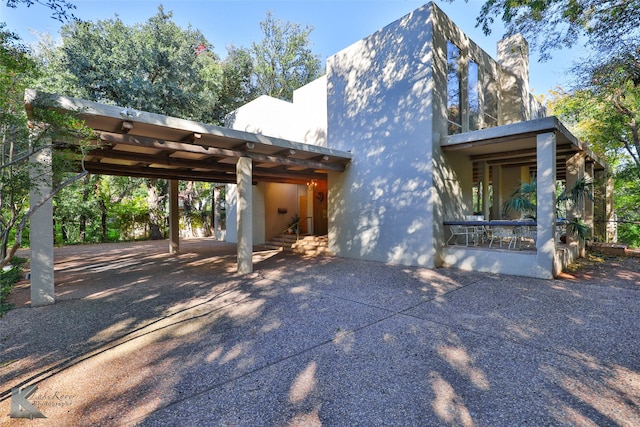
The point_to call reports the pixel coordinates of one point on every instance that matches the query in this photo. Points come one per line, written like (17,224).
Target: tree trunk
(153,200)
(83,216)
(103,221)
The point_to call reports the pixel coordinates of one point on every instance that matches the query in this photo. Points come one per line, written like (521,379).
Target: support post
(244,175)
(497,192)
(41,230)
(575,171)
(217,215)
(174,218)
(485,189)
(589,204)
(546,212)
(612,226)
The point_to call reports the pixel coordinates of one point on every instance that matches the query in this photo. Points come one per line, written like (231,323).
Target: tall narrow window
(472,96)
(454,113)
(490,92)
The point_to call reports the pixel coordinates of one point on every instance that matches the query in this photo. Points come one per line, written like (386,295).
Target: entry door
(320,213)
(304,223)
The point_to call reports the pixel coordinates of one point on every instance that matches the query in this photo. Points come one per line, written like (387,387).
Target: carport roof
(143,144)
(515,145)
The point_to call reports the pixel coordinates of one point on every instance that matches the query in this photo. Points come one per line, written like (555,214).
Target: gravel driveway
(141,337)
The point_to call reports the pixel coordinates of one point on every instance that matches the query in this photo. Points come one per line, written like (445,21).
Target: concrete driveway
(140,337)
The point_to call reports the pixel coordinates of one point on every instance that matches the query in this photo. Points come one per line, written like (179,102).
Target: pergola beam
(160,144)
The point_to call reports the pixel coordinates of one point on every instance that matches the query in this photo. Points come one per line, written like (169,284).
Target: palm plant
(523,200)
(577,227)
(581,190)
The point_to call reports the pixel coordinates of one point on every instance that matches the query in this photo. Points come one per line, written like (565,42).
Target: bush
(629,234)
(8,279)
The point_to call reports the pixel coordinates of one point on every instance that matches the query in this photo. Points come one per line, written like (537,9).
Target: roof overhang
(516,144)
(144,144)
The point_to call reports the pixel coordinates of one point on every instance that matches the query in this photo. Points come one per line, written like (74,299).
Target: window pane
(454,114)
(474,100)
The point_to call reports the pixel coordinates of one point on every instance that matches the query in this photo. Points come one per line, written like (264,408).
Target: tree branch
(31,211)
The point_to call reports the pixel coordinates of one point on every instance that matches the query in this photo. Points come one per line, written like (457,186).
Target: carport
(142,144)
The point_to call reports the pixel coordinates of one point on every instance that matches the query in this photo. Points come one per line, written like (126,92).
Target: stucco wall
(231,200)
(281,196)
(387,105)
(379,109)
(303,120)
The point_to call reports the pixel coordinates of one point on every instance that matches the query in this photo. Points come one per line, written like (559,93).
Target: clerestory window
(454,112)
(472,93)
(473,98)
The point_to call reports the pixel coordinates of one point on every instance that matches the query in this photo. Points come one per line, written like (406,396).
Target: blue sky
(337,24)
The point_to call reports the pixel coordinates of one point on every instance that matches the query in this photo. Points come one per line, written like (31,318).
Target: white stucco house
(428,117)
(412,130)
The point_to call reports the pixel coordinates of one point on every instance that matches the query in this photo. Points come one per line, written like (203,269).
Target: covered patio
(142,144)
(501,158)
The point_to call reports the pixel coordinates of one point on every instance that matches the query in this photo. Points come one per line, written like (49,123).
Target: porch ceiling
(143,144)
(515,145)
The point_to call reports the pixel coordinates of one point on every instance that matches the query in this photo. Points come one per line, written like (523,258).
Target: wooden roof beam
(116,138)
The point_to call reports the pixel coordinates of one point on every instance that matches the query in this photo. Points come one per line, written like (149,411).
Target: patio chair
(503,234)
(467,232)
(527,232)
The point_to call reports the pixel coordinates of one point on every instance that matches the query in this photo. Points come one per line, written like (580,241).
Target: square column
(589,204)
(41,230)
(244,173)
(174,218)
(611,228)
(546,209)
(575,208)
(496,171)
(485,189)
(217,214)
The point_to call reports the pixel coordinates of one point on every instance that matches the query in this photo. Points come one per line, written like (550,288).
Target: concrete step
(304,245)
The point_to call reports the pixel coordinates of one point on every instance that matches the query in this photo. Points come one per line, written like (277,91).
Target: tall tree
(605,112)
(153,66)
(156,66)
(20,139)
(236,85)
(605,109)
(283,60)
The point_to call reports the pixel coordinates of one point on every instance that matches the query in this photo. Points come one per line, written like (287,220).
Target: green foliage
(578,228)
(283,61)
(60,9)
(236,87)
(153,66)
(8,278)
(523,200)
(627,201)
(19,139)
(582,189)
(607,25)
(606,118)
(159,67)
(605,113)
